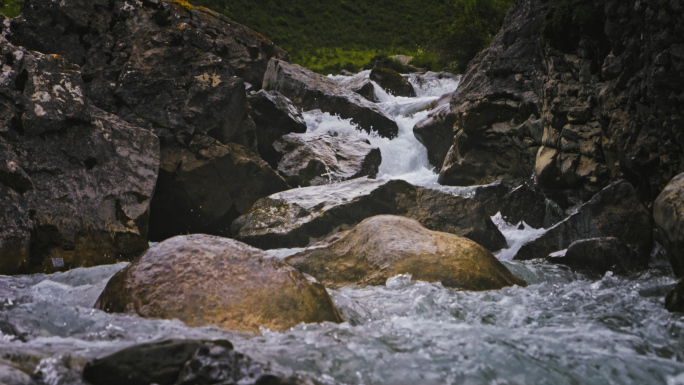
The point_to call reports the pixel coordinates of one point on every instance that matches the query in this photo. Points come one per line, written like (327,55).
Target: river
(564,328)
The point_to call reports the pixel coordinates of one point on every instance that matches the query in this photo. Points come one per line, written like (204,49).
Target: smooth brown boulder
(668,213)
(384,246)
(207,280)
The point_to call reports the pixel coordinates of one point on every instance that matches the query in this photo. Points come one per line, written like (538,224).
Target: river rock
(207,280)
(668,213)
(528,204)
(274,116)
(436,133)
(179,362)
(581,102)
(11,375)
(76,181)
(383,246)
(296,218)
(365,88)
(392,82)
(674,301)
(613,212)
(310,91)
(203,189)
(318,158)
(179,70)
(600,255)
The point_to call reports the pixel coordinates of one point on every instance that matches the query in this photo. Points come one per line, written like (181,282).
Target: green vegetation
(328,36)
(10,8)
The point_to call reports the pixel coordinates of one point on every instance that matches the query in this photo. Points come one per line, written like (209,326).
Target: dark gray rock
(436,133)
(674,301)
(392,82)
(599,255)
(181,362)
(76,181)
(668,213)
(525,203)
(204,188)
(364,88)
(274,116)
(308,214)
(310,91)
(317,158)
(613,212)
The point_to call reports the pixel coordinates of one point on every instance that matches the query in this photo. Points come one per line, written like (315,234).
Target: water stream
(564,328)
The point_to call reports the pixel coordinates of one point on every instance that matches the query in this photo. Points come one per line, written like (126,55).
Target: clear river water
(564,328)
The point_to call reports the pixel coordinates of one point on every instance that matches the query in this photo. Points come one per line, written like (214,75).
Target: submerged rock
(383,246)
(180,362)
(600,255)
(76,181)
(274,116)
(668,213)
(392,82)
(309,91)
(207,280)
(317,158)
(613,212)
(295,218)
(204,190)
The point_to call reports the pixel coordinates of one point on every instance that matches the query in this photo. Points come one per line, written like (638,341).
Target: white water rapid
(564,328)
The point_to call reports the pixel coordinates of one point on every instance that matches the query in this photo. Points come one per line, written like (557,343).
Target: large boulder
(11,375)
(180,362)
(392,82)
(274,116)
(384,246)
(179,70)
(580,101)
(613,212)
(204,190)
(599,255)
(317,158)
(310,91)
(298,217)
(207,280)
(76,181)
(668,213)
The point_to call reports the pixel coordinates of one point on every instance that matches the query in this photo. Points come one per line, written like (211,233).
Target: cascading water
(564,328)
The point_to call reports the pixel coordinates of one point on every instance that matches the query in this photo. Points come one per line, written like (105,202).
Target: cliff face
(577,94)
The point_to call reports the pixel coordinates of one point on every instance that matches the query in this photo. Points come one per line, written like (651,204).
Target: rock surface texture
(295,218)
(310,91)
(384,246)
(392,82)
(318,158)
(600,255)
(668,213)
(613,212)
(207,280)
(76,181)
(178,70)
(580,93)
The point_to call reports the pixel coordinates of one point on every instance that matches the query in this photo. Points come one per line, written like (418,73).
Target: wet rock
(180,362)
(525,203)
(76,181)
(11,375)
(181,71)
(206,280)
(600,255)
(204,190)
(674,301)
(668,213)
(310,91)
(295,218)
(613,212)
(383,246)
(392,82)
(364,88)
(274,116)
(436,133)
(319,158)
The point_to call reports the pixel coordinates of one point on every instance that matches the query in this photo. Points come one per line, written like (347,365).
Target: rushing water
(564,328)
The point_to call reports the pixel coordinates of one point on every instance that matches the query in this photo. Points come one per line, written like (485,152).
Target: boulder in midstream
(599,255)
(317,158)
(207,280)
(668,213)
(392,82)
(295,218)
(384,246)
(310,91)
